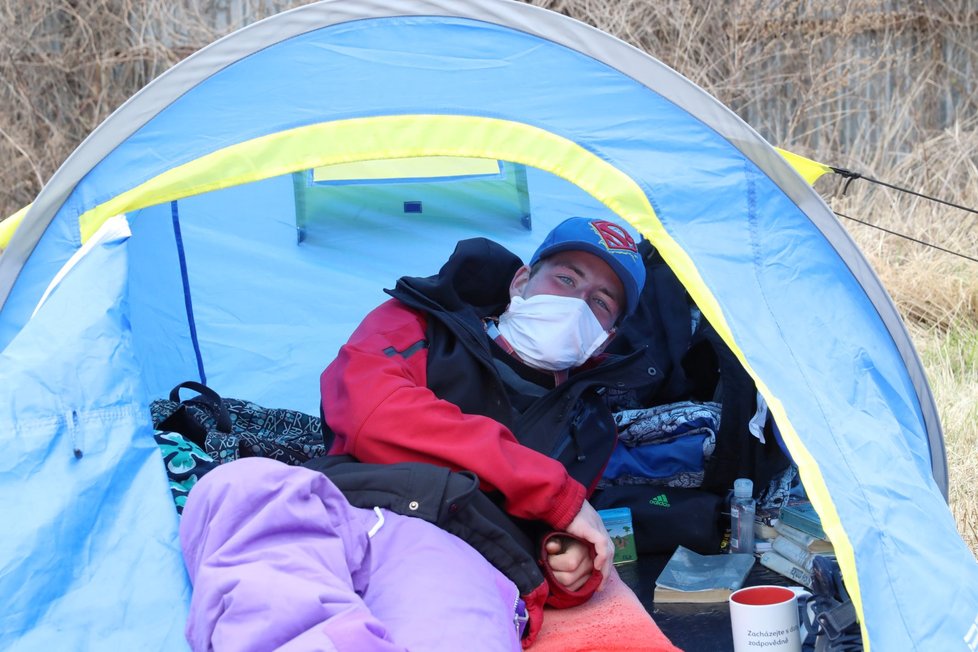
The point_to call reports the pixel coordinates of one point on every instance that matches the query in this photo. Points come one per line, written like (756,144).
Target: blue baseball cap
(608,241)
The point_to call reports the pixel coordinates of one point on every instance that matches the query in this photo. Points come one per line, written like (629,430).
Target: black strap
(183,422)
(835,621)
(207,398)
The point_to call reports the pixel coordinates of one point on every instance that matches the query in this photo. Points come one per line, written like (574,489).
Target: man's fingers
(570,581)
(571,555)
(604,563)
(587,525)
(556,545)
(600,562)
(560,564)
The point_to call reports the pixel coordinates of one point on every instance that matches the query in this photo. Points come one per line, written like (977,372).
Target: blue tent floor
(691,627)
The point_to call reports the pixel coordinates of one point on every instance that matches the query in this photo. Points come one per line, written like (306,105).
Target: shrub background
(888,88)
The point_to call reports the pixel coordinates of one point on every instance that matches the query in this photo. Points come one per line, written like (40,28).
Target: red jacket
(368,394)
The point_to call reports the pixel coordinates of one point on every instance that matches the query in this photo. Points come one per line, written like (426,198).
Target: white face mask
(552,332)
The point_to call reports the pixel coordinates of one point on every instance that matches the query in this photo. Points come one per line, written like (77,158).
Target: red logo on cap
(613,236)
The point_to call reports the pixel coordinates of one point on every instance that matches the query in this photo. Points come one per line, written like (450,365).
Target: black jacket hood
(476,278)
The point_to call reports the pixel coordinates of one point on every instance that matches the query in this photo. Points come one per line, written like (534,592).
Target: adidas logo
(660,501)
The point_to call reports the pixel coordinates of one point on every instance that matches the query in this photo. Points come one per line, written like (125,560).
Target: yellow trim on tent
(378,138)
(418,167)
(408,136)
(809,170)
(9,225)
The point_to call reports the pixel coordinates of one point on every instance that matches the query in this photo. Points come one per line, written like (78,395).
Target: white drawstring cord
(378,524)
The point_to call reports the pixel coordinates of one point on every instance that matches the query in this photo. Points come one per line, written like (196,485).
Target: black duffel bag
(666,517)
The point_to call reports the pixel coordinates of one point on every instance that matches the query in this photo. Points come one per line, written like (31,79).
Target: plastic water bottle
(742,516)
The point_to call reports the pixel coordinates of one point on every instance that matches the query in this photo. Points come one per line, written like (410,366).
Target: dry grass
(884,87)
(65,65)
(952,369)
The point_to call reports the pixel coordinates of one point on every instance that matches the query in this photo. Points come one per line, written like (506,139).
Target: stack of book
(798,539)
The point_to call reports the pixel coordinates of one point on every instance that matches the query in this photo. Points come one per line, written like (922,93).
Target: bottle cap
(743,487)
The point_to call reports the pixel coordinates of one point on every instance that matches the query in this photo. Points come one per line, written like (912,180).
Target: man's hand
(570,561)
(587,525)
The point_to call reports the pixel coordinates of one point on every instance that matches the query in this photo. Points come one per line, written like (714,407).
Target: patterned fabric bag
(198,433)
(186,463)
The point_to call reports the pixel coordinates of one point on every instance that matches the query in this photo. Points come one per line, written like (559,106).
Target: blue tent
(236,218)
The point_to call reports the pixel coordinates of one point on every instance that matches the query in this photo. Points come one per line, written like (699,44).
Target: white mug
(764,619)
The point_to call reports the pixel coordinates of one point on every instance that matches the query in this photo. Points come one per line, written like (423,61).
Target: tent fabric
(90,555)
(216,283)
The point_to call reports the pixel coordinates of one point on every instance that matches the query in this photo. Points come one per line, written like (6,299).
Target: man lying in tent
(490,367)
